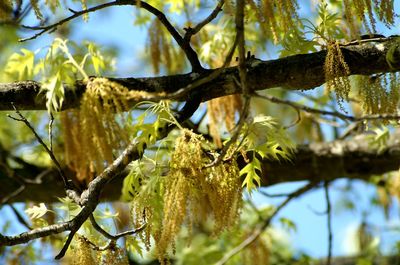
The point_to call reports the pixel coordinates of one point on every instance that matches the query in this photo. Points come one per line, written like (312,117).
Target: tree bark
(353,159)
(298,72)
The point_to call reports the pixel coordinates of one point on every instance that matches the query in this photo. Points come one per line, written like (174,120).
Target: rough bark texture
(319,161)
(298,72)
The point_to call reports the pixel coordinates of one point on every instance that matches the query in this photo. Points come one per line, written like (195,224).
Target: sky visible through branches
(105,28)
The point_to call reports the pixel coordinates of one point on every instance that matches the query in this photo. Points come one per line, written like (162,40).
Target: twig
(262,226)
(276,195)
(358,42)
(21,181)
(20,218)
(13,194)
(234,137)
(329,222)
(51,121)
(342,116)
(316,212)
(239,21)
(297,121)
(52,27)
(22,118)
(114,237)
(192,31)
(184,45)
(200,81)
(89,200)
(110,245)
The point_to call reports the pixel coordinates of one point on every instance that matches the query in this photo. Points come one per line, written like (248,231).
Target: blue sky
(114,27)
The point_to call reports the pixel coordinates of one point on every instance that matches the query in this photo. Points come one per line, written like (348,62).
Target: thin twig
(342,116)
(329,222)
(20,218)
(22,118)
(234,137)
(114,237)
(110,245)
(12,194)
(200,81)
(316,212)
(239,21)
(51,121)
(275,195)
(184,45)
(297,121)
(358,42)
(192,31)
(52,27)
(21,181)
(262,226)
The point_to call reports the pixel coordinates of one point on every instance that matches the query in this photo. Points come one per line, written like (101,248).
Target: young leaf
(21,66)
(252,178)
(35,212)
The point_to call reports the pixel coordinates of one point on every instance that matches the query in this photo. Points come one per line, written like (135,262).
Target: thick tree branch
(298,72)
(353,159)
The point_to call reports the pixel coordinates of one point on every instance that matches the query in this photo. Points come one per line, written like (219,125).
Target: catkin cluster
(194,193)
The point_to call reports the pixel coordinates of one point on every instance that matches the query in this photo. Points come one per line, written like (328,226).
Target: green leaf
(36,212)
(379,139)
(132,182)
(266,137)
(68,205)
(21,66)
(54,93)
(133,245)
(98,61)
(252,178)
(288,224)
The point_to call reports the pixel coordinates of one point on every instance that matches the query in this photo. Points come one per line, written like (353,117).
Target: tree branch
(192,31)
(353,159)
(337,114)
(262,226)
(185,46)
(298,72)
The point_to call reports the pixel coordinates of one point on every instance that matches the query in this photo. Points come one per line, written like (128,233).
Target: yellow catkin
(82,252)
(221,187)
(155,39)
(113,256)
(84,7)
(276,15)
(351,20)
(222,111)
(361,12)
(5,10)
(192,191)
(93,133)
(379,95)
(385,10)
(36,9)
(53,4)
(256,253)
(337,72)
